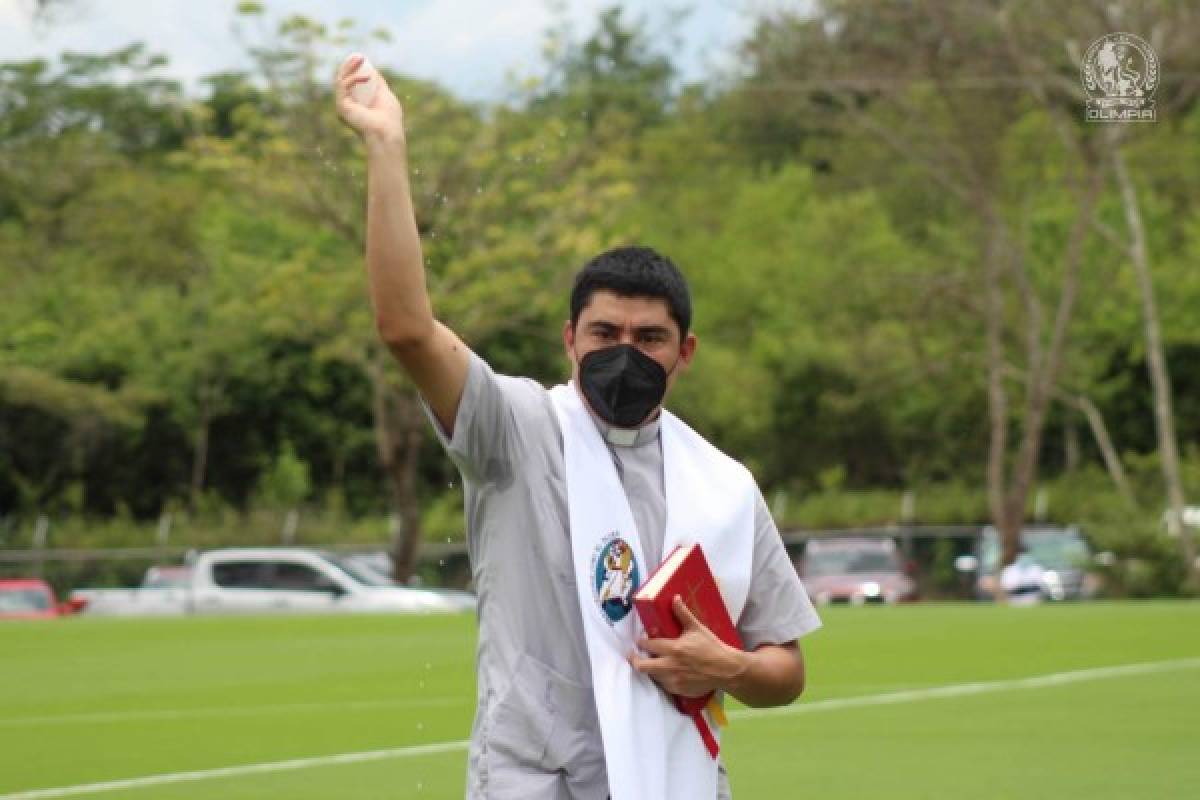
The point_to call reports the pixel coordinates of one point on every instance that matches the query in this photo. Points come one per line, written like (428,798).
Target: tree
(1172,29)
(79,227)
(931,84)
(503,205)
(614,70)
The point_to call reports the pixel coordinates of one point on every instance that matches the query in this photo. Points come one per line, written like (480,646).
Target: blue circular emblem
(616,579)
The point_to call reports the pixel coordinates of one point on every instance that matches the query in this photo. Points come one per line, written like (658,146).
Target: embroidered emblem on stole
(616,577)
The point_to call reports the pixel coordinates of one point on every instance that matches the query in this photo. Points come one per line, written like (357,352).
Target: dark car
(31,598)
(856,570)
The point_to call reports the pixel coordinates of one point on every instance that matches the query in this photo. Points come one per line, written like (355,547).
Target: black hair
(634,272)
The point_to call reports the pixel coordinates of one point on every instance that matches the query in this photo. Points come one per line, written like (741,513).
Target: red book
(685,572)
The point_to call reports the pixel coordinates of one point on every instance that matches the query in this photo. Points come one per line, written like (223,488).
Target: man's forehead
(608,306)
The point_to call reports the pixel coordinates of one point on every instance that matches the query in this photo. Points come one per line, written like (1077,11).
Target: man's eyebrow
(605,325)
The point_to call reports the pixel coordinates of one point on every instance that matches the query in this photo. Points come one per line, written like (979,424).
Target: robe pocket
(539,704)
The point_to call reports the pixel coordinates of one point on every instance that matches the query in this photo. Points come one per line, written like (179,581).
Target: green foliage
(616,75)
(838,507)
(185,322)
(285,483)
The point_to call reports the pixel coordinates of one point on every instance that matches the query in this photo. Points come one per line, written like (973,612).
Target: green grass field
(88,701)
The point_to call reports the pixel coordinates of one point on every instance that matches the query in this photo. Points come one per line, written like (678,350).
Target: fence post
(1041,504)
(908,506)
(290,523)
(908,512)
(779,504)
(162,536)
(41,532)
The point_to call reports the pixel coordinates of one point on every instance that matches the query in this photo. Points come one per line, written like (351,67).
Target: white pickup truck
(267,581)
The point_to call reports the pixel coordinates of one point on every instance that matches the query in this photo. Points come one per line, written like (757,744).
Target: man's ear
(687,350)
(569,339)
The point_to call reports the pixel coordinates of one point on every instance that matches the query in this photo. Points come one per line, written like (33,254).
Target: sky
(472,47)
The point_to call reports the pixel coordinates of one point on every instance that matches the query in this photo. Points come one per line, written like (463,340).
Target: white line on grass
(229,711)
(965,689)
(233,772)
(887,698)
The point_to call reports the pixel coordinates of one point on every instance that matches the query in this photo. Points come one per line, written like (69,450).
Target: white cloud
(12,15)
(468,45)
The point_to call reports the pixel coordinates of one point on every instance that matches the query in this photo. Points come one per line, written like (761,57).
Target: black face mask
(622,384)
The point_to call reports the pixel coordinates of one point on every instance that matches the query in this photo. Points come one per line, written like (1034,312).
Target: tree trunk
(1160,380)
(398,435)
(1112,461)
(1008,527)
(200,450)
(403,475)
(1108,451)
(1070,447)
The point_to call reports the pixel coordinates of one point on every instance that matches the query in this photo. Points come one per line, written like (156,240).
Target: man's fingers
(347,83)
(657,647)
(684,614)
(352,63)
(663,672)
(653,667)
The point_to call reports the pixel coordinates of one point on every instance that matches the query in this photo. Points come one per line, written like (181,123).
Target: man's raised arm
(433,356)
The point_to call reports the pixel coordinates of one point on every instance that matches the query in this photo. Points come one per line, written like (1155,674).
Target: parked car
(855,570)
(32,598)
(1062,554)
(377,567)
(177,577)
(268,580)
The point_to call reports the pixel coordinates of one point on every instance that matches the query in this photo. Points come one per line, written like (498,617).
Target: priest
(573,496)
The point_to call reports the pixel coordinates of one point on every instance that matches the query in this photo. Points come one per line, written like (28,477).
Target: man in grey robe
(536,735)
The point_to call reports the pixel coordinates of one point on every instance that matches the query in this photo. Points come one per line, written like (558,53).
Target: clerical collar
(625,437)
(629,437)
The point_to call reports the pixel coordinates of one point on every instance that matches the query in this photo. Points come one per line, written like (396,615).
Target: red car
(31,598)
(855,570)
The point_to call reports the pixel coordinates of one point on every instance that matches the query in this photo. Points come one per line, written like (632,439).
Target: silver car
(1063,555)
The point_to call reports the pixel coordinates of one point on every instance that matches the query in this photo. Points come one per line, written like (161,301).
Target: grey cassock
(536,735)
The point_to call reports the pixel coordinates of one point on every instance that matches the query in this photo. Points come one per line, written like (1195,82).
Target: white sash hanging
(652,752)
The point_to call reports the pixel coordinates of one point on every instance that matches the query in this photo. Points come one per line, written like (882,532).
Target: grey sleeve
(778,609)
(482,443)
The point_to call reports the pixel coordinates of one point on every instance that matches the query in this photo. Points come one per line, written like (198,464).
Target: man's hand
(694,664)
(382,118)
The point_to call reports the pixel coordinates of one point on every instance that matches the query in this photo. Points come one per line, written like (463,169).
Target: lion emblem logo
(1120,73)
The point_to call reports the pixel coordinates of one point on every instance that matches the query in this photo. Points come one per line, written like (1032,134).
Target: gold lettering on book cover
(693,590)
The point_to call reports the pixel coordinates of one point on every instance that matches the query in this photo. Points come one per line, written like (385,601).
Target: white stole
(652,752)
